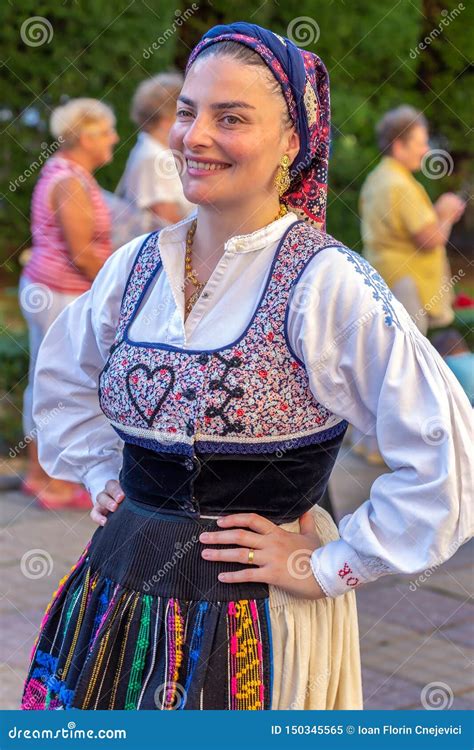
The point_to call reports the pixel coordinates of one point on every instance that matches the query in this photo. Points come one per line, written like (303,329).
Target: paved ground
(411,636)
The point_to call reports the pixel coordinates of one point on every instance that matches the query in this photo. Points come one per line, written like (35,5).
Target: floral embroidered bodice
(251,396)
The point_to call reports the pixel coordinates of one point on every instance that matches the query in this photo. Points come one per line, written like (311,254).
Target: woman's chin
(201,197)
(103,161)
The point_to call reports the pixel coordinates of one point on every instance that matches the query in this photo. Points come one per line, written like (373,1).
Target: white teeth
(205,165)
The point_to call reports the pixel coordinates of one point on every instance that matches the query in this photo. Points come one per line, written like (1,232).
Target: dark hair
(244,54)
(448,342)
(397,123)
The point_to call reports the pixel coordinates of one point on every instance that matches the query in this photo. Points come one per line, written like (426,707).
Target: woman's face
(227,117)
(98,140)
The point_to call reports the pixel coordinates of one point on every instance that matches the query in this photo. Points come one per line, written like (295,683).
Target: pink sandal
(79,500)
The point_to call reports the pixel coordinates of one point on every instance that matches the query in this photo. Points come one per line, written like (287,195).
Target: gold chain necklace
(190,273)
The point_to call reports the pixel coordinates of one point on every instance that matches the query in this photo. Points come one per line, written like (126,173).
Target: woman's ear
(293,146)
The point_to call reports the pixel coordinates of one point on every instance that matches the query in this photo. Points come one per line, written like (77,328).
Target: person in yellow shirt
(404,235)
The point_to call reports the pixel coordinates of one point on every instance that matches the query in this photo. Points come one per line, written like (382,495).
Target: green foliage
(96,50)
(369,47)
(13,369)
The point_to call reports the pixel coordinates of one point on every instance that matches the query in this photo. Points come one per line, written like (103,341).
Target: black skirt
(142,622)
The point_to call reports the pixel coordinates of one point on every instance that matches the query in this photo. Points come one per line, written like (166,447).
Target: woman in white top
(215,367)
(151,180)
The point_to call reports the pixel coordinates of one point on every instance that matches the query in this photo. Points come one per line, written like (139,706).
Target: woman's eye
(182,112)
(235,120)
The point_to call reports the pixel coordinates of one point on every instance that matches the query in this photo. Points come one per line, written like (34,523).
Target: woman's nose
(198,134)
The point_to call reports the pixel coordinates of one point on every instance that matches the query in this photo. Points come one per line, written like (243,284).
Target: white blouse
(366,361)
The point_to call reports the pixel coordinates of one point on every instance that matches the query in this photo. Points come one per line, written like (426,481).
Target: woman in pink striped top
(71,233)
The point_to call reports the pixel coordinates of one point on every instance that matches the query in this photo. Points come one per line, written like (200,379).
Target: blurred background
(379,54)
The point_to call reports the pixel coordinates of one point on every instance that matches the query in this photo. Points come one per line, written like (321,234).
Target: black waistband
(280,486)
(155,555)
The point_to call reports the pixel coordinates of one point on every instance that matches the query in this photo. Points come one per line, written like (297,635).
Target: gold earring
(282,178)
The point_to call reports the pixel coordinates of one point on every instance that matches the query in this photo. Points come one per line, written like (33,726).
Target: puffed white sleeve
(75,440)
(368,363)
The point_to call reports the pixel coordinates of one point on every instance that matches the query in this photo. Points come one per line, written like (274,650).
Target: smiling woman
(222,142)
(239,134)
(218,364)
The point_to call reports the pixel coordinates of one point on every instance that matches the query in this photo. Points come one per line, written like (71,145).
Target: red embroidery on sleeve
(344,571)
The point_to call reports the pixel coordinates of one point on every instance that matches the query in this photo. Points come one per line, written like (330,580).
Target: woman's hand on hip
(107,501)
(281,557)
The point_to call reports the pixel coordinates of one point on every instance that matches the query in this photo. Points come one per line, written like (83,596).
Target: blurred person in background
(457,355)
(70,227)
(151,179)
(404,235)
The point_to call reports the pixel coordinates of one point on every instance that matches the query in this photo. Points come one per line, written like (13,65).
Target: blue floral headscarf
(305,85)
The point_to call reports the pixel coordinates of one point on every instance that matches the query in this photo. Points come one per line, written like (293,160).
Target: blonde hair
(68,120)
(154,98)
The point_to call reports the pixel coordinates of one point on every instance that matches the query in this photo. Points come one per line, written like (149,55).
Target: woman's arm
(75,213)
(368,363)
(428,225)
(75,440)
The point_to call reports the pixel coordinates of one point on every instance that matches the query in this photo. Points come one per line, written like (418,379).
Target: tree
(57,51)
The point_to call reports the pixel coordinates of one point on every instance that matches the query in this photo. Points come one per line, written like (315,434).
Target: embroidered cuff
(97,477)
(337,568)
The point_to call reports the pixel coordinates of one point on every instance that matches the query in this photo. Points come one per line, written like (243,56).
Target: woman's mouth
(203,167)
